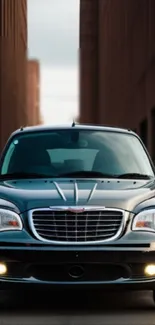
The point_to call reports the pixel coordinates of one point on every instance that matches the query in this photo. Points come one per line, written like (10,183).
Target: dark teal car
(77,209)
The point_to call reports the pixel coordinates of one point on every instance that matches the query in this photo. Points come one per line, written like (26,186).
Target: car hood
(40,193)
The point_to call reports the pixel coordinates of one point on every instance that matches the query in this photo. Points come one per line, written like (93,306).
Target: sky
(53,39)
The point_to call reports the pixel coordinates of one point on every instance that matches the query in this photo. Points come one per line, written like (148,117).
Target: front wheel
(154,296)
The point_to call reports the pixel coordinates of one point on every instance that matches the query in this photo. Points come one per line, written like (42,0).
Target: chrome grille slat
(70,226)
(67,220)
(66,226)
(76,221)
(93,215)
(55,226)
(62,225)
(71,231)
(89,236)
(98,223)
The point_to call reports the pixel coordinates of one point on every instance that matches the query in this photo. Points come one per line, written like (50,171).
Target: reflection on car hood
(39,193)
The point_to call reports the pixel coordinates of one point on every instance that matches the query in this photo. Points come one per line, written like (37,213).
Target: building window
(144,132)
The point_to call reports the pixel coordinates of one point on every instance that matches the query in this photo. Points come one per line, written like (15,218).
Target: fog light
(3,269)
(150,269)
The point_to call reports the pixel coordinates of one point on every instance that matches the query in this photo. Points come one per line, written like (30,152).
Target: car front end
(75,231)
(77,246)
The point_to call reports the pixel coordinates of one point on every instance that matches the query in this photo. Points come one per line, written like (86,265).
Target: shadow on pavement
(72,302)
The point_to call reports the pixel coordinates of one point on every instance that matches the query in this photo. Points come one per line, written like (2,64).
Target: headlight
(144,221)
(9,220)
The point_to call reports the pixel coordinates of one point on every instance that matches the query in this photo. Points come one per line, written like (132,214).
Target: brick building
(13,58)
(33,92)
(117,65)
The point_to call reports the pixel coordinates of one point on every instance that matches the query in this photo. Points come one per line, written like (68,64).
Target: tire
(154,296)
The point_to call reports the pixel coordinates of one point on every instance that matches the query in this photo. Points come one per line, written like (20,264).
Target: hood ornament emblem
(76,210)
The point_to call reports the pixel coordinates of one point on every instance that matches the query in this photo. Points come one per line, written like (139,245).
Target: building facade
(13,69)
(117,65)
(33,92)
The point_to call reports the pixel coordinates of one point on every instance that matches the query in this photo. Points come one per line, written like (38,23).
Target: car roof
(44,128)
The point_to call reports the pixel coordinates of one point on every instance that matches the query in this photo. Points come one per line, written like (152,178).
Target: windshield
(59,152)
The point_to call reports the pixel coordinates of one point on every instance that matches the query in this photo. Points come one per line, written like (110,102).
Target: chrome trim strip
(76,196)
(60,191)
(87,208)
(92,192)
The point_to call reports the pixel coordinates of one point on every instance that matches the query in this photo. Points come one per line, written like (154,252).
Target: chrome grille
(63,225)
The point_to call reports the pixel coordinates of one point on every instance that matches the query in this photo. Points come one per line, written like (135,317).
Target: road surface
(77,308)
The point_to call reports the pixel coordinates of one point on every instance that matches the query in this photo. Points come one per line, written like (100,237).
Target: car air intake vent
(77,225)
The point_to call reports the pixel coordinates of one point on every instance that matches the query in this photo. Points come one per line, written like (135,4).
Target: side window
(7,158)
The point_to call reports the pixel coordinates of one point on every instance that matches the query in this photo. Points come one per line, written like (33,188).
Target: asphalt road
(77,308)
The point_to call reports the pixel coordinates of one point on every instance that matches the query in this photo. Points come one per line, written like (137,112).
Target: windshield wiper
(135,176)
(23,175)
(80,173)
(86,173)
(83,173)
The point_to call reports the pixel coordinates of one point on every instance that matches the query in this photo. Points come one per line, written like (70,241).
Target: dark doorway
(144,131)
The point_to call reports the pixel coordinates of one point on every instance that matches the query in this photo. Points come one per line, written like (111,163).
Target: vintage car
(77,209)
